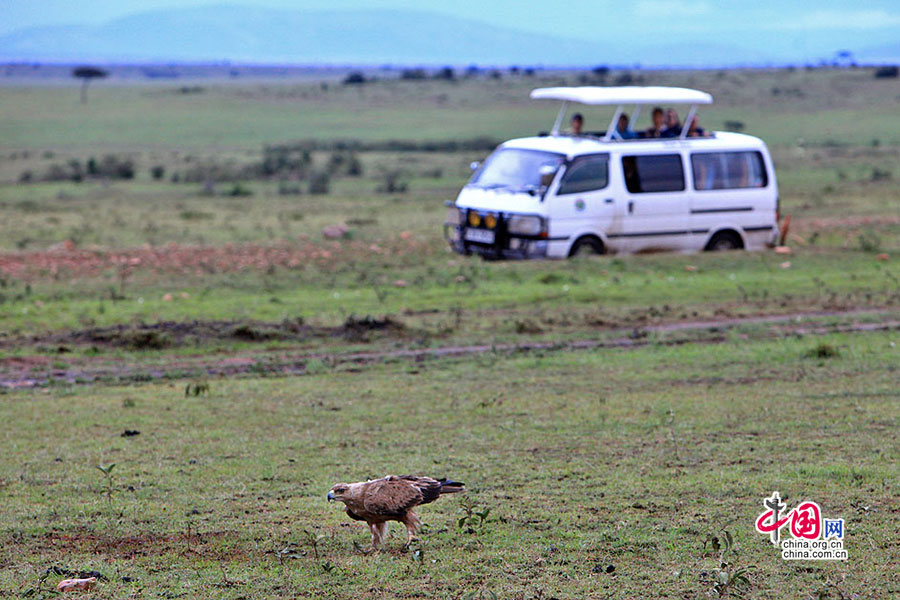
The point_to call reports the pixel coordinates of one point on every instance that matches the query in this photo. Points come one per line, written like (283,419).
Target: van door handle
(608,200)
(630,206)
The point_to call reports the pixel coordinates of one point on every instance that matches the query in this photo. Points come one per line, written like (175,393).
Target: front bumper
(505,245)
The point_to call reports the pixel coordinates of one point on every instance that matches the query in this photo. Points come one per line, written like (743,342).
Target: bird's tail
(449,486)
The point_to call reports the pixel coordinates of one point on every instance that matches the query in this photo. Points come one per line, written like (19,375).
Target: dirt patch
(292,364)
(214,545)
(68,261)
(171,334)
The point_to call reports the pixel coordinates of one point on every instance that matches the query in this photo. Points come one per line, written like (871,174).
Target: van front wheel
(585,246)
(725,240)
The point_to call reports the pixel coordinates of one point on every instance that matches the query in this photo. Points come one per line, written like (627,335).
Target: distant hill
(245,34)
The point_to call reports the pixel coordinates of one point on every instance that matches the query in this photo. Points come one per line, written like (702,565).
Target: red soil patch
(66,261)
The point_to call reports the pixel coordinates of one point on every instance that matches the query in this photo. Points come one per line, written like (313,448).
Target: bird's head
(338,492)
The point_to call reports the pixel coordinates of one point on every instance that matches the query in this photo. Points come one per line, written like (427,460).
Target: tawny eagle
(391,498)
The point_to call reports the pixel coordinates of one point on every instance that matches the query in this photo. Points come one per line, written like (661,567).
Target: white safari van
(558,195)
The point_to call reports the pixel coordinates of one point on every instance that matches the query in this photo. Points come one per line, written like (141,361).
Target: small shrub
(319,182)
(823,350)
(445,74)
(146,340)
(392,184)
(238,189)
(354,78)
(869,242)
(289,188)
(734,125)
(625,78)
(881,174)
(158,172)
(887,72)
(26,177)
(413,74)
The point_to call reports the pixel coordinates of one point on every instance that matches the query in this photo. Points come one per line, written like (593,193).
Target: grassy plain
(630,457)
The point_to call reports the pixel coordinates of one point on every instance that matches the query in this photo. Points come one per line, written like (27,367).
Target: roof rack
(619,97)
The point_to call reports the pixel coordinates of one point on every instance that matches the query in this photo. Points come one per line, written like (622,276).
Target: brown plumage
(391,498)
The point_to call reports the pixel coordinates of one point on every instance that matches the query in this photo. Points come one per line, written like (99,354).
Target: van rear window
(646,174)
(728,170)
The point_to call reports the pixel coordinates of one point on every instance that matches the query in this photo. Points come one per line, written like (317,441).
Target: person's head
(671,118)
(623,122)
(658,118)
(577,123)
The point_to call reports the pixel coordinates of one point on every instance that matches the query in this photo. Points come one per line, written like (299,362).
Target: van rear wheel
(725,240)
(586,246)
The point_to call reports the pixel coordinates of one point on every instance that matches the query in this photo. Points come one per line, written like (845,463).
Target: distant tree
(528,72)
(86,74)
(472,71)
(514,70)
(446,74)
(412,74)
(354,78)
(887,72)
(600,72)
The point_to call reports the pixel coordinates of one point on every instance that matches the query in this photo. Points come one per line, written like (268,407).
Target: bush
(344,163)
(412,74)
(446,74)
(283,158)
(239,190)
(392,184)
(289,188)
(887,72)
(319,182)
(354,78)
(158,172)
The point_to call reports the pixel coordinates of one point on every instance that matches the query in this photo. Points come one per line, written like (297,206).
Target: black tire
(724,241)
(585,246)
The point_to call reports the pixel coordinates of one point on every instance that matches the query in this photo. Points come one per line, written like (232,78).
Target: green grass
(586,459)
(622,457)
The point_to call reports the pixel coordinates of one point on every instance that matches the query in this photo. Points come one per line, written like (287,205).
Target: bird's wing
(430,488)
(391,496)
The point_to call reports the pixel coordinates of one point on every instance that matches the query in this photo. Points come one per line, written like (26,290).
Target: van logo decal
(579,205)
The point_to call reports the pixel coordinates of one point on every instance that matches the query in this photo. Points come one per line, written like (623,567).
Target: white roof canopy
(623,95)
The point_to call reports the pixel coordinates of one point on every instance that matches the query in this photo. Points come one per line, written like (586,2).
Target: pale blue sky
(573,18)
(780,30)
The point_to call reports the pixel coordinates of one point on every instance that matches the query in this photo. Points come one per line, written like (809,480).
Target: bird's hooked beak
(331,496)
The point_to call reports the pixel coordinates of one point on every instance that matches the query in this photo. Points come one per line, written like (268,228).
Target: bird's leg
(375,537)
(378,532)
(412,523)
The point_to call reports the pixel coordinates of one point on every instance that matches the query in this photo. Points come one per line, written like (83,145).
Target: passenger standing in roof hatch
(659,123)
(577,124)
(694,129)
(673,124)
(623,131)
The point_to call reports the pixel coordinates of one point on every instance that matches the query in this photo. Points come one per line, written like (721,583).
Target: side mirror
(474,165)
(547,173)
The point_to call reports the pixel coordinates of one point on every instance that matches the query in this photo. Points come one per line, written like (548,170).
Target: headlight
(454,216)
(525,225)
(490,221)
(474,218)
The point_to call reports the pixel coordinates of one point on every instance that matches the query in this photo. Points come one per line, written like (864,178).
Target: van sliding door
(657,202)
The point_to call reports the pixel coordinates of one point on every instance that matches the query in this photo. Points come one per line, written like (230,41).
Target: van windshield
(516,169)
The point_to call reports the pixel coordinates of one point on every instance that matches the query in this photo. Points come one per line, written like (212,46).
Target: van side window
(585,175)
(728,170)
(653,173)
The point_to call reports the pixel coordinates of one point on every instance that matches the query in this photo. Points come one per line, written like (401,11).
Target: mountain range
(364,37)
